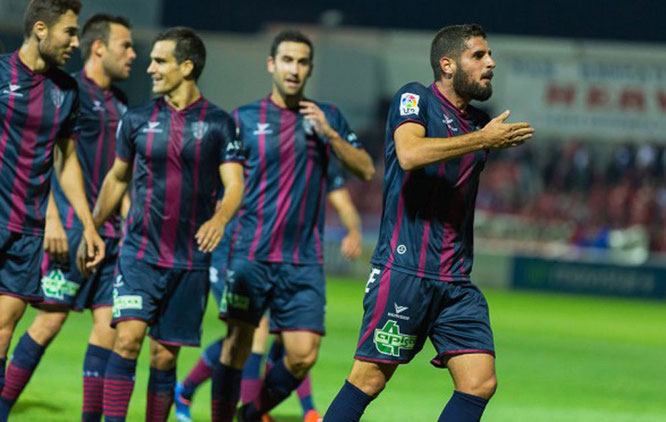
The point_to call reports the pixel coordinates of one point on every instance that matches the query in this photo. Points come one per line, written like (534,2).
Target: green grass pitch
(560,358)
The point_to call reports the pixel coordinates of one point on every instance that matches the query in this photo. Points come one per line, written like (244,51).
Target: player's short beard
(48,53)
(466,88)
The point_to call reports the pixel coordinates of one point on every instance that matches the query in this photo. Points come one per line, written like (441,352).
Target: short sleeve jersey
(176,180)
(282,217)
(35,110)
(95,142)
(428,213)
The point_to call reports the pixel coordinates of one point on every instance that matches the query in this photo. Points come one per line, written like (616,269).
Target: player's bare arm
(55,238)
(357,160)
(210,233)
(415,150)
(351,243)
(71,180)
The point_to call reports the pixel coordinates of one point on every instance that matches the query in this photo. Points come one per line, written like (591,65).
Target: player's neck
(95,72)
(287,101)
(185,95)
(446,89)
(29,55)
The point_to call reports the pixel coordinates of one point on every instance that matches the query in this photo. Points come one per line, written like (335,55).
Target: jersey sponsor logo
(233,146)
(237,301)
(409,104)
(352,137)
(97,105)
(152,128)
(118,281)
(56,286)
(390,341)
(401,249)
(199,129)
(125,302)
(57,97)
(263,129)
(449,123)
(13,90)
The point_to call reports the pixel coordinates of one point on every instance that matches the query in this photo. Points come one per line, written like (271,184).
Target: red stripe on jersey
(149,186)
(262,184)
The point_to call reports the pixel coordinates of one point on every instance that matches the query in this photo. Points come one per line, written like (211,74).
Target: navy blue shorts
(171,300)
(402,310)
(64,285)
(294,294)
(20,265)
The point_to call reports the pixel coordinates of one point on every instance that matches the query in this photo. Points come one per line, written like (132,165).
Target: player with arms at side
(106,46)
(177,151)
(39,104)
(436,147)
(252,380)
(276,259)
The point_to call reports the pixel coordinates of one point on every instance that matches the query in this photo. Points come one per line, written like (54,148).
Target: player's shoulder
(119,94)
(328,108)
(62,79)
(216,112)
(250,108)
(141,112)
(5,62)
(413,88)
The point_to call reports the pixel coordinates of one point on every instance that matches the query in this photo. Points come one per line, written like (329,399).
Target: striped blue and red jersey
(176,156)
(95,143)
(428,213)
(282,217)
(35,110)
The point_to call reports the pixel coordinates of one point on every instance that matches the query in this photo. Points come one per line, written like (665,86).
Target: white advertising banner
(604,97)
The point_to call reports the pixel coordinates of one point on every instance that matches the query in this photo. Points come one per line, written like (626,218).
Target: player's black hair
(293,36)
(450,42)
(188,47)
(98,27)
(47,11)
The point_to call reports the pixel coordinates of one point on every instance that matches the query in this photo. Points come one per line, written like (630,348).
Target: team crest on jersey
(122,108)
(409,104)
(57,97)
(199,129)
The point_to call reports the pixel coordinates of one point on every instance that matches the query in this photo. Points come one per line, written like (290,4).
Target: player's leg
(20,271)
(475,383)
(248,287)
(135,300)
(100,345)
(297,313)
(29,351)
(463,339)
(162,380)
(11,310)
(397,314)
(365,382)
(252,380)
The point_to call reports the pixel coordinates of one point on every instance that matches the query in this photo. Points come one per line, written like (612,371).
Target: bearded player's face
(474,71)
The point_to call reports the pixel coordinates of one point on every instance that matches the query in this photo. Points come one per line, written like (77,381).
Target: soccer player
(276,258)
(106,46)
(38,107)
(175,150)
(252,380)
(436,146)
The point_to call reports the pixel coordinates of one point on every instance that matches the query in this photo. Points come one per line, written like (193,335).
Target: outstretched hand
(506,135)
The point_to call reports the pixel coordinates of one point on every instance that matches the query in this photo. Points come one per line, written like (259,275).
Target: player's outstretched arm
(343,204)
(210,233)
(357,160)
(415,150)
(55,238)
(71,180)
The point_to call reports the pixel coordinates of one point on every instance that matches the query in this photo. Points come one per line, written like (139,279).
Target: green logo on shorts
(236,301)
(56,286)
(125,302)
(390,341)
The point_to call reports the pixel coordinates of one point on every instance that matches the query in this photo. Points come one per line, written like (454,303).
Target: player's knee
(370,383)
(162,360)
(483,387)
(300,363)
(236,348)
(127,344)
(46,327)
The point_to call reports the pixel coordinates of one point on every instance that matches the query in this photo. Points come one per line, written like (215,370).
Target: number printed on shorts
(374,273)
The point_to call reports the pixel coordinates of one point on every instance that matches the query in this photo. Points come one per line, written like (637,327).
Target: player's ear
(270,64)
(187,68)
(98,47)
(448,67)
(41,30)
